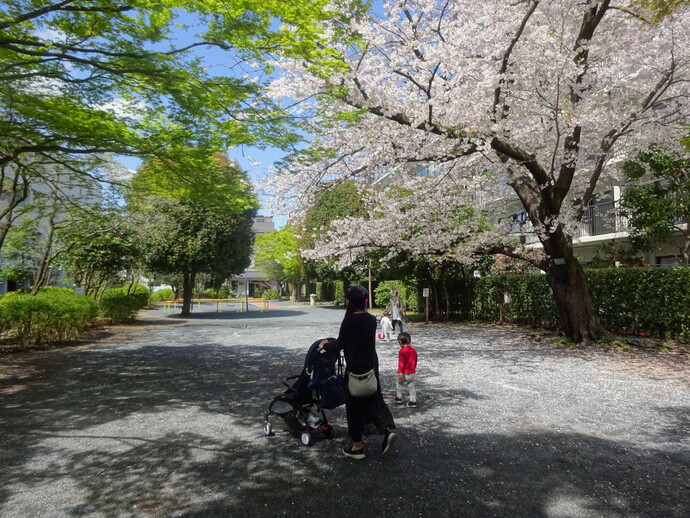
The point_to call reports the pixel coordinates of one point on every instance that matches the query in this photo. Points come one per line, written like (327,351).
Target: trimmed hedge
(650,301)
(52,315)
(653,301)
(531,302)
(122,304)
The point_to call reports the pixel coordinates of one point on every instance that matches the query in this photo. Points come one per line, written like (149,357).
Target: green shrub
(325,291)
(52,315)
(160,295)
(339,292)
(408,295)
(122,304)
(271,294)
(224,292)
(651,301)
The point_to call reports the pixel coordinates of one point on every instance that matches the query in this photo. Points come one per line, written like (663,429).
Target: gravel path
(165,418)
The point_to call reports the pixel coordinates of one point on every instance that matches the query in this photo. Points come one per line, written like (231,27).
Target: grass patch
(562,342)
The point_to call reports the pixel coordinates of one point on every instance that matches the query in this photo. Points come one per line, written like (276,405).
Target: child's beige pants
(406,381)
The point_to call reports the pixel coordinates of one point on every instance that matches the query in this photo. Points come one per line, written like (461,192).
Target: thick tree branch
(61,6)
(571,145)
(506,61)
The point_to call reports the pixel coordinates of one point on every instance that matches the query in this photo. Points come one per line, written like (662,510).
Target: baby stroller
(319,386)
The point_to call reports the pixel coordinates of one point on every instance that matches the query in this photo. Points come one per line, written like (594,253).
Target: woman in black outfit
(357,340)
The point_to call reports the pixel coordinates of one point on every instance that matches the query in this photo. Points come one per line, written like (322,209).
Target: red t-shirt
(407,360)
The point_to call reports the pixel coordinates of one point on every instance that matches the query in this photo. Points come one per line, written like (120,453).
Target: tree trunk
(41,276)
(188,280)
(446,295)
(434,290)
(294,288)
(578,318)
(15,191)
(5,224)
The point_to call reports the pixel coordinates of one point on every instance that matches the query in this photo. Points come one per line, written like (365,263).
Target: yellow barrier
(172,304)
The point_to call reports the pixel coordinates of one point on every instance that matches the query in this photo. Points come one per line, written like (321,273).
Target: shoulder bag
(362,385)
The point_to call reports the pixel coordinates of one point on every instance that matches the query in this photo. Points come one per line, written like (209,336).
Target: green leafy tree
(278,255)
(336,202)
(99,253)
(659,210)
(211,181)
(81,81)
(182,237)
(201,226)
(20,252)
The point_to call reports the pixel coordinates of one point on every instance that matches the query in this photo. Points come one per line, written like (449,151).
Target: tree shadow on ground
(176,431)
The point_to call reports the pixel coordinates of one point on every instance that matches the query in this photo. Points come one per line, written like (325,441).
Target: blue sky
(246,156)
(219,62)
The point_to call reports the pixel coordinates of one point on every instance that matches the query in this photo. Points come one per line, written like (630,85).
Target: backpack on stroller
(319,386)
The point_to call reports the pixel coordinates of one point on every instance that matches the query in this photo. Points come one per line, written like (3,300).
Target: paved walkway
(165,419)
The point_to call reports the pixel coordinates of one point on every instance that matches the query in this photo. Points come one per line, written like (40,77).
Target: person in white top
(386,326)
(396,309)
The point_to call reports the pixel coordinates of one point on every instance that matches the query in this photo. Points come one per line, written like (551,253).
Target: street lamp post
(371,295)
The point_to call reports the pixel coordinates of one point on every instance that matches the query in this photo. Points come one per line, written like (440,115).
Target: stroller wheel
(268,429)
(306,439)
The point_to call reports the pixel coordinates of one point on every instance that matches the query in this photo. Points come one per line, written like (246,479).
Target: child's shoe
(398,401)
(412,404)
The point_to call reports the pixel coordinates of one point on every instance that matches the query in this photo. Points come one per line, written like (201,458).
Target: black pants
(361,411)
(399,325)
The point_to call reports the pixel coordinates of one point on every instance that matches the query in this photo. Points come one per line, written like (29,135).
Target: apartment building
(246,283)
(46,201)
(603,221)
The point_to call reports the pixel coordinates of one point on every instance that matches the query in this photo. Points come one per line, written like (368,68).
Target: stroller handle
(289,385)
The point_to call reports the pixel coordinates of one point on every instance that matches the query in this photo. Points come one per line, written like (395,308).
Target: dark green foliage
(660,209)
(186,237)
(650,301)
(325,290)
(340,201)
(122,304)
(52,315)
(382,295)
(653,301)
(531,302)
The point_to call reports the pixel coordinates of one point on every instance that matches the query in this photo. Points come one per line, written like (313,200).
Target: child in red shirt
(407,368)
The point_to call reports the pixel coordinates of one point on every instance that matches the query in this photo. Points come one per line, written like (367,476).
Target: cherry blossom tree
(532,102)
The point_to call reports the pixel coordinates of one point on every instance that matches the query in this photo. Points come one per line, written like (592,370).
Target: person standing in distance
(397,310)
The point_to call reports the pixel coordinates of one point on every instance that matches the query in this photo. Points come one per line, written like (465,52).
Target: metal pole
(246,291)
(371,295)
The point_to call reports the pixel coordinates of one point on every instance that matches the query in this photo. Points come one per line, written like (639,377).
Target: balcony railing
(597,220)
(602,218)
